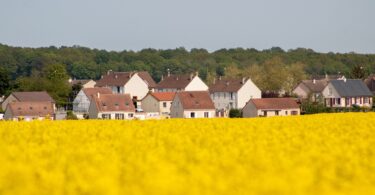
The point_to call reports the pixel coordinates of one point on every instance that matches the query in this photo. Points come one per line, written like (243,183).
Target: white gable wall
(81,103)
(196,85)
(8,100)
(136,87)
(248,91)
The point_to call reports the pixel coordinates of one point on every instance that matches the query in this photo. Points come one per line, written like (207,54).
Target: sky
(322,25)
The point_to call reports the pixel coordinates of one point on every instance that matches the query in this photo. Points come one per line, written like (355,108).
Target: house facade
(346,93)
(268,107)
(112,107)
(192,104)
(158,102)
(175,83)
(311,89)
(29,111)
(81,103)
(31,96)
(233,93)
(127,83)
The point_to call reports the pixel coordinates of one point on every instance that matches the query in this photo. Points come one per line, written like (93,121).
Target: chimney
(116,76)
(98,95)
(169,72)
(227,83)
(109,71)
(191,76)
(219,78)
(101,76)
(314,81)
(344,80)
(214,81)
(326,76)
(196,73)
(243,80)
(162,77)
(70,80)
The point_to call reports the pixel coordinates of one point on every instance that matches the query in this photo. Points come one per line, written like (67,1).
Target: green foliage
(4,81)
(358,72)
(71,116)
(235,113)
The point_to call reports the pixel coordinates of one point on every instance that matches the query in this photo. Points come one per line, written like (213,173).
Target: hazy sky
(323,25)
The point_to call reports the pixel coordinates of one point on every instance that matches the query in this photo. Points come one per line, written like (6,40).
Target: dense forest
(49,68)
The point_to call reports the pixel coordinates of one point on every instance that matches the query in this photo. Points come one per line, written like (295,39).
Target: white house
(174,83)
(111,106)
(137,84)
(346,93)
(29,96)
(233,93)
(81,103)
(158,102)
(267,107)
(29,111)
(192,104)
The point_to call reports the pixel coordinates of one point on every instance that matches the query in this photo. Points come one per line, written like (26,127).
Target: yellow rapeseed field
(317,154)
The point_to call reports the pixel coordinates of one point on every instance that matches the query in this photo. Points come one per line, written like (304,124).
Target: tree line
(273,69)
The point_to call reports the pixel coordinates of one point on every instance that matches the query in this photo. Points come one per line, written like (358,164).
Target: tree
(4,81)
(358,72)
(235,113)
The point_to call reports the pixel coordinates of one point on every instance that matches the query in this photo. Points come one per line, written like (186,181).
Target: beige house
(81,103)
(158,102)
(137,84)
(29,111)
(233,93)
(111,106)
(346,93)
(175,83)
(31,96)
(192,104)
(311,89)
(267,107)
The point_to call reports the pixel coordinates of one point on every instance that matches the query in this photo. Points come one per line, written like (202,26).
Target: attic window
(31,108)
(196,102)
(104,104)
(19,108)
(116,104)
(45,107)
(191,95)
(126,103)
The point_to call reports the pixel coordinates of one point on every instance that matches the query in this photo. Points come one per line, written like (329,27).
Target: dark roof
(275,103)
(114,102)
(94,91)
(227,85)
(163,96)
(370,82)
(31,108)
(316,86)
(79,81)
(121,78)
(351,88)
(114,79)
(33,96)
(175,81)
(147,77)
(195,100)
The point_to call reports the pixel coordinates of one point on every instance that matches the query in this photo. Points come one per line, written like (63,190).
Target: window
(329,91)
(277,113)
(231,96)
(366,100)
(264,113)
(119,116)
(294,112)
(338,101)
(164,104)
(192,114)
(106,116)
(118,89)
(286,112)
(225,95)
(206,114)
(230,105)
(130,115)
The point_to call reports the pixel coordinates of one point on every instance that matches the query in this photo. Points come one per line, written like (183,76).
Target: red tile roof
(114,102)
(33,96)
(275,103)
(31,109)
(94,91)
(195,100)
(227,85)
(175,81)
(164,96)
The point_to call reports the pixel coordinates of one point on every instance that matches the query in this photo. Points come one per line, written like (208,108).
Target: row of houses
(128,95)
